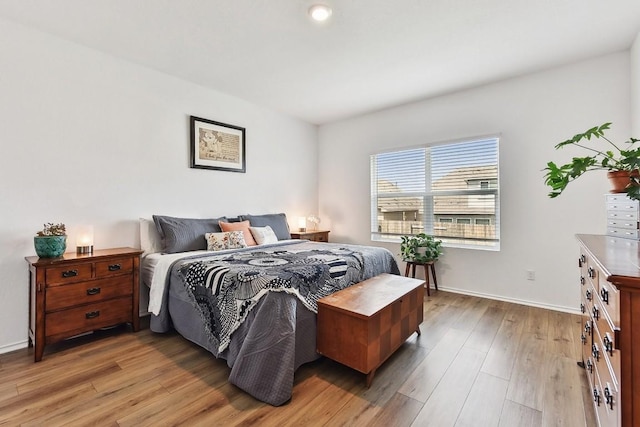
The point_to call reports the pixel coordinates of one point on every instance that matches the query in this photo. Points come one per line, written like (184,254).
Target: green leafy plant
(420,247)
(612,158)
(51,229)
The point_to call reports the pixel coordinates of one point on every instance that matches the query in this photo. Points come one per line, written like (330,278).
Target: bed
(255,306)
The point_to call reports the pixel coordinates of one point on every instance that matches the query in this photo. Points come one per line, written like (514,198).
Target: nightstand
(78,293)
(313,235)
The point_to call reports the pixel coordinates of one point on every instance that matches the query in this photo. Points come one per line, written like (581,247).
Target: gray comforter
(256,307)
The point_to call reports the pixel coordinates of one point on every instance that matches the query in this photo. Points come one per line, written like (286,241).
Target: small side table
(429,265)
(313,235)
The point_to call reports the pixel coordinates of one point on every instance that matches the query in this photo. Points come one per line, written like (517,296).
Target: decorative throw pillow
(150,240)
(225,240)
(263,235)
(239,226)
(277,222)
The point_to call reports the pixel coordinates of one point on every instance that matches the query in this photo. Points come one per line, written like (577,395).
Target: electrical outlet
(531,275)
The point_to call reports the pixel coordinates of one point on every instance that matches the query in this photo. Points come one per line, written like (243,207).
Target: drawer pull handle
(596,313)
(92,314)
(604,294)
(587,294)
(583,338)
(582,260)
(608,397)
(591,272)
(582,308)
(93,291)
(590,366)
(115,267)
(587,328)
(596,396)
(608,343)
(582,280)
(69,273)
(595,352)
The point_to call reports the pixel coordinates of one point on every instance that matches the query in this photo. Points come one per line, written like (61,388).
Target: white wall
(635,87)
(532,114)
(88,138)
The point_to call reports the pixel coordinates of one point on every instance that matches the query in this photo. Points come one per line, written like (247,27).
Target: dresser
(623,216)
(78,293)
(610,335)
(313,235)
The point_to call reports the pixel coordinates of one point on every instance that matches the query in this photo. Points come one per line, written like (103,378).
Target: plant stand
(429,265)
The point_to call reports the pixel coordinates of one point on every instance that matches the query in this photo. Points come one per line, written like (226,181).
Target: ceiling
(372,54)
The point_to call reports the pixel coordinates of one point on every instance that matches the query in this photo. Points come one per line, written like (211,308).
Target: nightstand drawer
(88,317)
(114,267)
(68,274)
(60,297)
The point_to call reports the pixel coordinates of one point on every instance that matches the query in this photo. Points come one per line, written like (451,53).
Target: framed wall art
(217,146)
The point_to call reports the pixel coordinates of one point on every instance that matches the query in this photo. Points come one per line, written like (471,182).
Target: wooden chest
(75,293)
(362,325)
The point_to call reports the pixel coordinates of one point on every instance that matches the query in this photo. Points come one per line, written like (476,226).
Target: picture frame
(217,146)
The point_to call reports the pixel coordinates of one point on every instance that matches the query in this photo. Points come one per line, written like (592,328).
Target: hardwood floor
(478,363)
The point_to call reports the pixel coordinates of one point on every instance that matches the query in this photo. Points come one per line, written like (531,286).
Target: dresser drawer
(623,232)
(88,317)
(604,340)
(68,274)
(623,224)
(620,199)
(609,298)
(622,215)
(606,398)
(60,297)
(114,267)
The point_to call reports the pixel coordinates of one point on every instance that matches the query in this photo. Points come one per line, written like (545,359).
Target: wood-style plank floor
(477,363)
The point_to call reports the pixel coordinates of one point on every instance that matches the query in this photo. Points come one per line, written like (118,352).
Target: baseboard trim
(13,347)
(512,300)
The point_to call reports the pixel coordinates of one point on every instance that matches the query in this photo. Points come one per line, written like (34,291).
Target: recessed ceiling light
(320,12)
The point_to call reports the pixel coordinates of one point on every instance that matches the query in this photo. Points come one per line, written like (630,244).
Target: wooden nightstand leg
(406,270)
(413,271)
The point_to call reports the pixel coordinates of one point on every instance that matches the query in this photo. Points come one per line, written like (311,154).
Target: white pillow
(225,240)
(263,235)
(150,240)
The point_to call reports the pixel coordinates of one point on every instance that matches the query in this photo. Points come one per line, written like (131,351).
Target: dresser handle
(582,308)
(582,260)
(582,280)
(583,338)
(595,352)
(587,328)
(92,314)
(587,294)
(591,272)
(93,291)
(604,294)
(608,343)
(115,267)
(590,366)
(70,273)
(596,313)
(596,396)
(608,397)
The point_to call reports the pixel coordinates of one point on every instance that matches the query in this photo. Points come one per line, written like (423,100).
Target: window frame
(428,216)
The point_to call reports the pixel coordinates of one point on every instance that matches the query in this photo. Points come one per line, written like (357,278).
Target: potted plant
(51,242)
(622,162)
(420,248)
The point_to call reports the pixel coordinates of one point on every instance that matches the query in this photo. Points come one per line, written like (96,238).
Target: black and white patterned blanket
(228,287)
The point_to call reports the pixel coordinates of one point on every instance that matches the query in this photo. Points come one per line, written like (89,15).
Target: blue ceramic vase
(50,246)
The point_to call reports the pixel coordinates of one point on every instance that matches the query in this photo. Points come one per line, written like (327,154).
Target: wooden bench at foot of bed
(362,325)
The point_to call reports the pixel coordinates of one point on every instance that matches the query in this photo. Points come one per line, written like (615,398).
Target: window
(450,190)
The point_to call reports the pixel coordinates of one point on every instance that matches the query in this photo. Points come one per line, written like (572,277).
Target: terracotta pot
(620,180)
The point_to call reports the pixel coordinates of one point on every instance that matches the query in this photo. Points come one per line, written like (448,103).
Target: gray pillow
(185,234)
(277,222)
